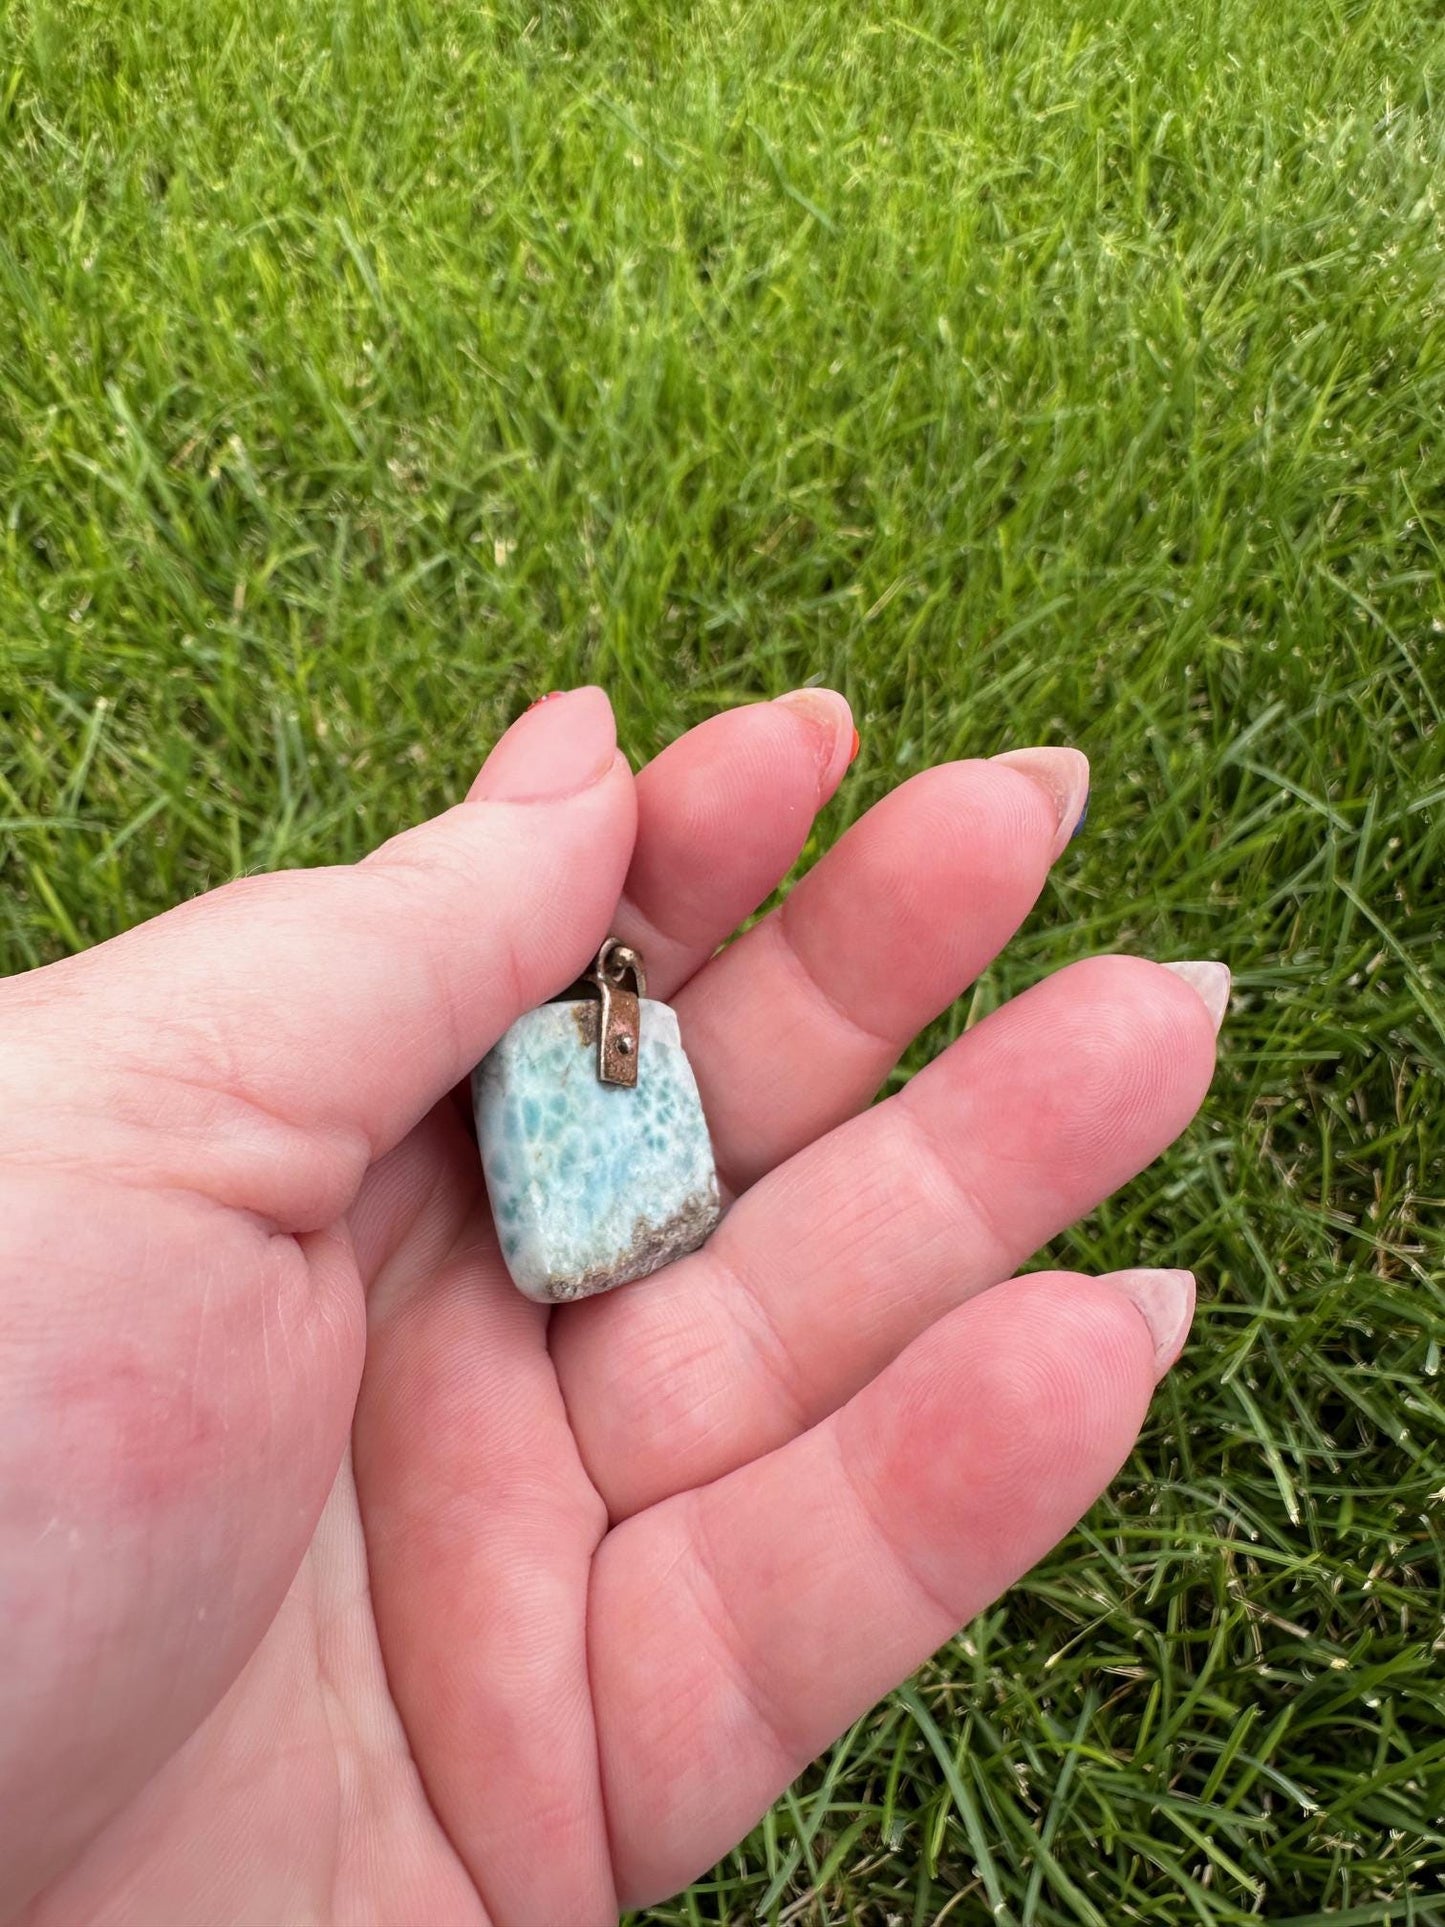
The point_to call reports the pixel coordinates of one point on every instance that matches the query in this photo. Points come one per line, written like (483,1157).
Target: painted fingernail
(1165,1301)
(546,697)
(857,745)
(562,744)
(1063,776)
(829,723)
(1211,981)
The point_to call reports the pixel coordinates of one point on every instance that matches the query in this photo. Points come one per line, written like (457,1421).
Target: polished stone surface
(591,1184)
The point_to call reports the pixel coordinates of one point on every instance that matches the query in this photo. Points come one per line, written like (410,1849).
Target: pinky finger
(737,1628)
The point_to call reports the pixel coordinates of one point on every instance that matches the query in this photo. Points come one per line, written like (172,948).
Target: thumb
(268,1040)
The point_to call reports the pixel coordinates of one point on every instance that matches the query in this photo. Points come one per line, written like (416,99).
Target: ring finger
(822,1272)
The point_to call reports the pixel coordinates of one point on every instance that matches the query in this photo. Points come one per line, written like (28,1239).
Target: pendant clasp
(619,1021)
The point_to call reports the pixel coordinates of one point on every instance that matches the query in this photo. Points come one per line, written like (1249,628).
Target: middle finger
(795,1025)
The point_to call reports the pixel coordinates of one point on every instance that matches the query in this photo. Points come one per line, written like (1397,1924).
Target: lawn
(1032,372)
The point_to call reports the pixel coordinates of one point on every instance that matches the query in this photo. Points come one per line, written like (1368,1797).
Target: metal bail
(619,1021)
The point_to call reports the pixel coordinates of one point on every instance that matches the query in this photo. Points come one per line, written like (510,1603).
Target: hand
(342,1584)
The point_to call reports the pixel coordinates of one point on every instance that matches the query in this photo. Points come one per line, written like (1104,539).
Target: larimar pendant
(594,1145)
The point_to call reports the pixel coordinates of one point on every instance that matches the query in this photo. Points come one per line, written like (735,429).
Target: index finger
(722,814)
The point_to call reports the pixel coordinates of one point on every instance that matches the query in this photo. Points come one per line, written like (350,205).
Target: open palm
(343,1584)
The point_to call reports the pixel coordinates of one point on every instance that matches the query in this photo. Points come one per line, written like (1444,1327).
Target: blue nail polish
(1083,819)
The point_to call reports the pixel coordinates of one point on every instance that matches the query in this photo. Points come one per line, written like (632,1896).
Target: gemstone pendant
(594,1145)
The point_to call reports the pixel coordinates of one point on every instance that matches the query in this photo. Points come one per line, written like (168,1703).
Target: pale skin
(340,1583)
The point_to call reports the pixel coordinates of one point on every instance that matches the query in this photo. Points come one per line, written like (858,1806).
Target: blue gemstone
(591,1184)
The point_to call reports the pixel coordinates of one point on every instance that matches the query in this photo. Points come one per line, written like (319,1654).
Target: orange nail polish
(852,753)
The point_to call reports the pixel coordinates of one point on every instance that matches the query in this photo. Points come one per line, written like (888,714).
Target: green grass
(1033,371)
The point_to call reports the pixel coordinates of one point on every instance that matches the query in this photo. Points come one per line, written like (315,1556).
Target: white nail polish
(1211,981)
(1165,1301)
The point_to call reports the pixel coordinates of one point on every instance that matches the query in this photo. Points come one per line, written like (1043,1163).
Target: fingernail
(857,744)
(829,723)
(1063,776)
(547,696)
(1211,981)
(1165,1301)
(564,743)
